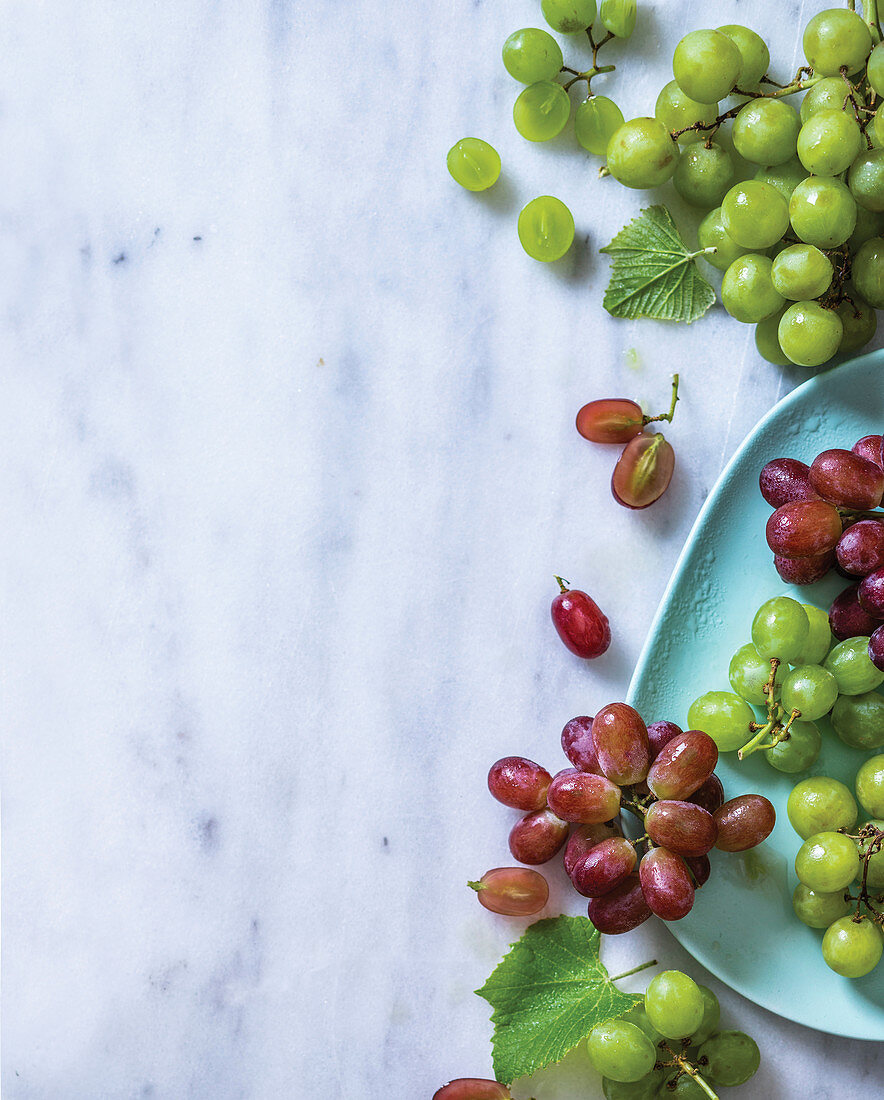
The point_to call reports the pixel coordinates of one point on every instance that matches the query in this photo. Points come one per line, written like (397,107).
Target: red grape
(604,867)
(518,782)
(804,570)
(621,743)
(803,529)
(537,837)
(578,745)
(621,910)
(683,765)
(472,1088)
(582,797)
(580,623)
(709,795)
(682,827)
(512,891)
(643,471)
(584,839)
(786,479)
(876,648)
(660,734)
(848,479)
(610,420)
(860,549)
(700,868)
(744,822)
(870,447)
(847,619)
(666,884)
(870,594)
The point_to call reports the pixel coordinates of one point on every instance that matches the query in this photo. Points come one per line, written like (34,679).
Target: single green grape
(712,234)
(836,38)
(875,69)
(753,52)
(642,154)
(702,176)
(676,111)
(648,1088)
(711,1017)
(767,341)
(820,804)
(618,16)
(868,271)
(818,910)
(732,1057)
(868,224)
(706,65)
(802,271)
(799,751)
(748,673)
(568,16)
(754,214)
(810,690)
(859,720)
(829,142)
(596,121)
(784,177)
(809,334)
(638,1015)
(766,131)
(724,716)
(875,873)
(870,785)
(674,1004)
(474,164)
(747,292)
(530,55)
(829,95)
(827,862)
(681,1088)
(819,638)
(852,948)
(621,1051)
(822,211)
(860,323)
(546,228)
(850,665)
(541,111)
(780,629)
(866,179)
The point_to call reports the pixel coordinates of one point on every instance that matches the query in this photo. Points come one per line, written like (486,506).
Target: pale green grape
(642,154)
(822,211)
(819,639)
(780,629)
(829,142)
(875,875)
(870,786)
(541,111)
(568,16)
(821,804)
(748,673)
(767,340)
(648,1088)
(754,214)
(784,177)
(747,292)
(868,271)
(836,38)
(811,690)
(851,666)
(766,131)
(618,16)
(875,69)
(596,121)
(620,1051)
(712,234)
(852,948)
(702,176)
(809,334)
(674,1004)
(753,52)
(868,224)
(732,1057)
(859,720)
(799,751)
(828,95)
(818,910)
(676,111)
(474,164)
(866,180)
(802,271)
(546,228)
(860,323)
(724,716)
(638,1015)
(531,54)
(878,127)
(711,1017)
(706,65)
(827,862)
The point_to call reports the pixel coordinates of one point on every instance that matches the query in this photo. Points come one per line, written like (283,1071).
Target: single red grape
(700,868)
(643,471)
(621,910)
(666,884)
(683,765)
(860,549)
(610,420)
(847,479)
(584,839)
(803,529)
(621,743)
(604,867)
(870,594)
(870,447)
(518,782)
(581,624)
(537,837)
(582,797)
(876,647)
(804,570)
(847,619)
(512,891)
(578,745)
(709,795)
(783,480)
(660,734)
(472,1088)
(744,822)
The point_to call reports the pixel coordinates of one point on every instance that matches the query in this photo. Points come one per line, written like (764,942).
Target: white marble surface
(289,463)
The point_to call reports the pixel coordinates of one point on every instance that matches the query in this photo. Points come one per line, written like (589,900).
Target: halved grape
(531,54)
(820,804)
(474,164)
(546,228)
(610,420)
(643,471)
(642,154)
(512,891)
(744,822)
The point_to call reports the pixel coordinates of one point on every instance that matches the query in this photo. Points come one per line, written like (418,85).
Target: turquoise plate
(742,927)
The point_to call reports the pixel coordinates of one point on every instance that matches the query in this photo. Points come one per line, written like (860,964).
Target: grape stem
(799,84)
(667,416)
(635,970)
(870,13)
(875,838)
(686,1066)
(563,585)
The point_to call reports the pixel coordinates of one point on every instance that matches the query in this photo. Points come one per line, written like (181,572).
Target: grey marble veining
(289,463)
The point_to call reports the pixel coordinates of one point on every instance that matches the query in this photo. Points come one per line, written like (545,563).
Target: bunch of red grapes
(664,776)
(821,522)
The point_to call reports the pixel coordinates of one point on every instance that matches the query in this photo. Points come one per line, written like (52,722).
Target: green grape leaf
(653,273)
(548,993)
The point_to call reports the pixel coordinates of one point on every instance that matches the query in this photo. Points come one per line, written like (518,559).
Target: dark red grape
(580,623)
(610,420)
(860,549)
(584,839)
(870,447)
(847,619)
(786,479)
(804,570)
(512,891)
(537,837)
(871,594)
(660,734)
(744,822)
(682,827)
(604,867)
(803,529)
(847,479)
(518,782)
(584,798)
(643,471)
(709,795)
(578,745)
(666,884)
(623,909)
(472,1088)
(700,868)
(683,765)
(621,743)
(876,648)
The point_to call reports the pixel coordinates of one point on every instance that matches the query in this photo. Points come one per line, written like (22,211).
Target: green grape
(674,1004)
(647,1088)
(766,131)
(828,95)
(732,1057)
(712,234)
(852,668)
(784,177)
(875,873)
(827,862)
(780,629)
(546,228)
(878,127)
(809,334)
(822,211)
(638,1016)
(541,111)
(596,121)
(859,720)
(875,69)
(818,910)
(748,674)
(767,340)
(820,804)
(682,1087)
(819,639)
(870,786)
(860,323)
(474,164)
(711,1016)
(866,180)
(676,111)
(754,214)
(810,690)
(706,65)
(642,154)
(852,948)
(753,52)
(868,271)
(868,224)
(801,271)
(621,1051)
(530,55)
(618,16)
(799,751)
(836,38)
(747,292)
(829,142)
(568,16)
(702,176)
(725,717)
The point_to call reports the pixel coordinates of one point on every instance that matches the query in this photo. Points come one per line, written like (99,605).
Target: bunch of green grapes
(666,1041)
(837,856)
